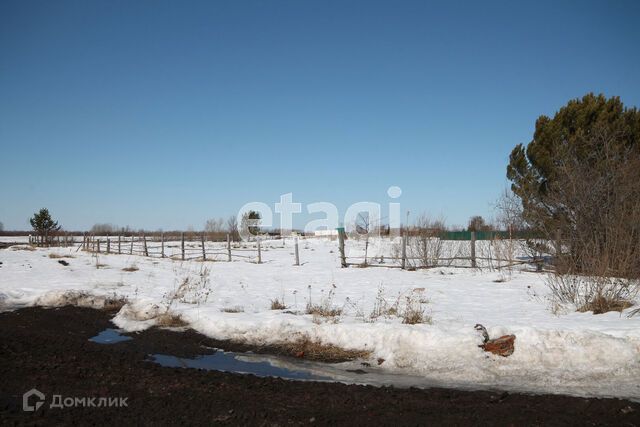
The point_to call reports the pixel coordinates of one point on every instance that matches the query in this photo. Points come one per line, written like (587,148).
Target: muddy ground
(49,349)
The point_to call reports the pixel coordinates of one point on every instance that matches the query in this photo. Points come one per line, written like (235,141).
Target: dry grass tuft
(314,350)
(168,320)
(414,310)
(58,256)
(131,268)
(414,316)
(277,304)
(323,310)
(601,304)
(410,307)
(325,307)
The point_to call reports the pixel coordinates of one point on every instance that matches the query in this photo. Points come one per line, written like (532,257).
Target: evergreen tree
(251,222)
(43,224)
(579,175)
(477,223)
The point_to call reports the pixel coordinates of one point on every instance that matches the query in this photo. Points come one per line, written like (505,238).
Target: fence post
(98,241)
(119,244)
(204,253)
(144,241)
(108,245)
(473,250)
(343,258)
(404,251)
(131,247)
(259,252)
(297,252)
(229,246)
(182,246)
(162,245)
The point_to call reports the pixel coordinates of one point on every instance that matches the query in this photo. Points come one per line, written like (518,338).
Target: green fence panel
(486,235)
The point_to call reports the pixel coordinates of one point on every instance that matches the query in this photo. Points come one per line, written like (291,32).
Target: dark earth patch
(49,349)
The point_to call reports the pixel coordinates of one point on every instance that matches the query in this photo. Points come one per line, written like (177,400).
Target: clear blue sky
(161,114)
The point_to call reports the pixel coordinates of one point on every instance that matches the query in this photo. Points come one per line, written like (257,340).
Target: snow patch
(572,353)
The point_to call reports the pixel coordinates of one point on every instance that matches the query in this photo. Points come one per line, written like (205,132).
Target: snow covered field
(567,352)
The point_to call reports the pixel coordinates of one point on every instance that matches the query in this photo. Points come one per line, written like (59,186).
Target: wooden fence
(58,238)
(406,261)
(186,250)
(194,246)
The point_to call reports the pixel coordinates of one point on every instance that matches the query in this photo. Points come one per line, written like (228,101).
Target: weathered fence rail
(471,258)
(187,250)
(197,247)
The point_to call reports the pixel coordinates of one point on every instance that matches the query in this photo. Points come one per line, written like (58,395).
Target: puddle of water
(231,362)
(109,336)
(298,369)
(347,373)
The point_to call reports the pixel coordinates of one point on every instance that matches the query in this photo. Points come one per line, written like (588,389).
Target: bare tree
(366,224)
(425,244)
(508,209)
(232,228)
(214,228)
(509,213)
(103,228)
